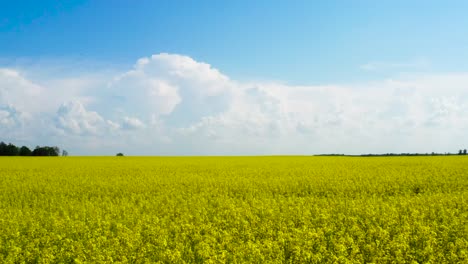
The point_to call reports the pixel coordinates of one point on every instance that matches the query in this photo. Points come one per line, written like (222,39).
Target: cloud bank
(170,104)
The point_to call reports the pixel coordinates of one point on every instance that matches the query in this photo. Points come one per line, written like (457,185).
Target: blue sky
(294,41)
(273,58)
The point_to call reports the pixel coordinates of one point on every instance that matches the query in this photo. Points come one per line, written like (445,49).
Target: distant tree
(3,147)
(38,151)
(464,152)
(460,152)
(119,154)
(12,150)
(55,151)
(46,151)
(25,151)
(64,153)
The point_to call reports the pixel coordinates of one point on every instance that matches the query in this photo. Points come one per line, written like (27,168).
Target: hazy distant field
(242,209)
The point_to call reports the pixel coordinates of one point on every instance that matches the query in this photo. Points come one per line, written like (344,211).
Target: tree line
(460,152)
(12,150)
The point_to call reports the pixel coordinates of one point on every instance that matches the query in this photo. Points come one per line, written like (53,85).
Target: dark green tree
(3,147)
(38,151)
(46,151)
(12,150)
(25,151)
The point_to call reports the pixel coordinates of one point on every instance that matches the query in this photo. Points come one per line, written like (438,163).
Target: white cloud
(17,91)
(172,104)
(72,117)
(184,71)
(136,92)
(162,83)
(376,117)
(132,123)
(11,118)
(15,124)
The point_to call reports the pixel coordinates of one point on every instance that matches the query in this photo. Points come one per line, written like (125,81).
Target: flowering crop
(234,209)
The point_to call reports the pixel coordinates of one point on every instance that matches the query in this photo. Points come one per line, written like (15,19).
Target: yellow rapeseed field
(234,210)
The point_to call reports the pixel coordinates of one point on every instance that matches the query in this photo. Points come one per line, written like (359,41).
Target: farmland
(234,209)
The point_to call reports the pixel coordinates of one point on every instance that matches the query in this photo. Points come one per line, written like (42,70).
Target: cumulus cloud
(11,118)
(372,117)
(159,84)
(15,124)
(18,91)
(173,104)
(72,117)
(132,123)
(135,92)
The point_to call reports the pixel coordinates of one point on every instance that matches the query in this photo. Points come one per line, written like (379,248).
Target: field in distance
(234,209)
